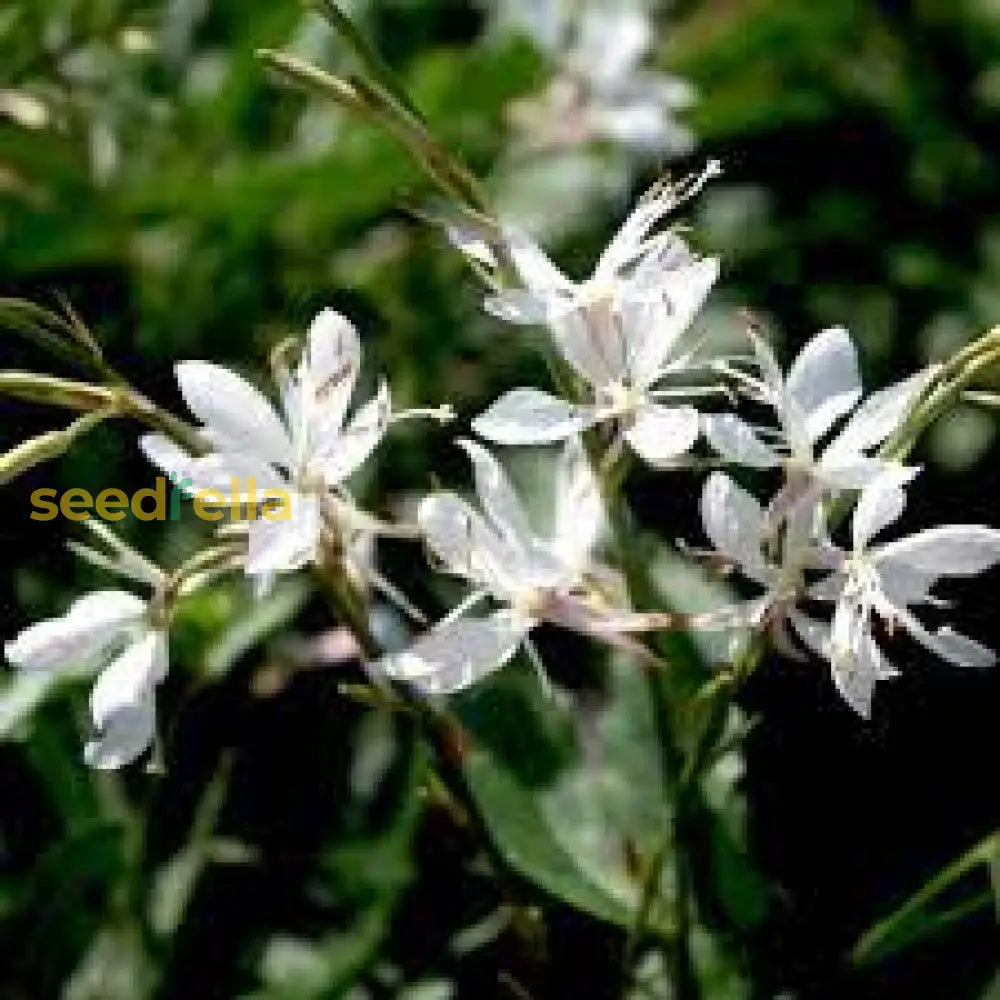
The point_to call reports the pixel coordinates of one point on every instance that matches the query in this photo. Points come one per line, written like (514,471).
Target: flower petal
(235,413)
(680,295)
(854,657)
(458,654)
(497,496)
(880,504)
(215,471)
(530,416)
(949,550)
(129,678)
(127,734)
(823,382)
(877,417)
(344,453)
(534,267)
(467,545)
(957,649)
(735,523)
(736,441)
(334,359)
(284,545)
(661,433)
(579,510)
(92,625)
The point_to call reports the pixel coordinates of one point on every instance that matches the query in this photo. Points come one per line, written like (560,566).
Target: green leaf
(574,801)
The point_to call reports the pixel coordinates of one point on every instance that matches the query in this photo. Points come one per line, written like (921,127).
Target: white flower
(639,266)
(600,90)
(307,449)
(621,333)
(885,581)
(529,579)
(747,539)
(822,386)
(114,632)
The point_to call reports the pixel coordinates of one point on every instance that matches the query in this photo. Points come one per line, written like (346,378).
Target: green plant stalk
(868,947)
(108,401)
(373,103)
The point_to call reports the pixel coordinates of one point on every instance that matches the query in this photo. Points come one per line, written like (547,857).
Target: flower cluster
(638,382)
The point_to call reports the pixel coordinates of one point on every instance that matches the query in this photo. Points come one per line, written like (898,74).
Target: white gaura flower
(620,331)
(124,639)
(884,582)
(600,90)
(529,579)
(822,387)
(301,453)
(639,265)
(776,557)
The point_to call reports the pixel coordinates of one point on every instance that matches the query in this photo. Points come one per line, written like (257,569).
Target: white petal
(838,470)
(950,645)
(854,657)
(815,635)
(92,625)
(497,496)
(534,268)
(130,676)
(880,504)
(529,416)
(824,383)
(460,537)
(215,471)
(734,522)
(233,411)
(950,550)
(285,545)
(661,433)
(334,359)
(343,454)
(681,294)
(579,513)
(593,343)
(736,441)
(458,654)
(127,735)
(515,305)
(878,416)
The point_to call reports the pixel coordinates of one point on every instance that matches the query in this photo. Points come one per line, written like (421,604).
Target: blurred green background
(188,204)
